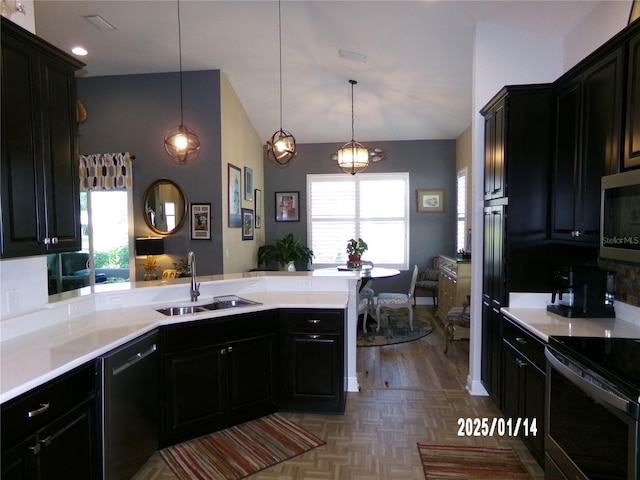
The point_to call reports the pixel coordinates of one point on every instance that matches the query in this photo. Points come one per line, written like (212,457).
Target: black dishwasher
(130,412)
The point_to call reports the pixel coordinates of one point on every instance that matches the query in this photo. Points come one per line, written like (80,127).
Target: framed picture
(430,201)
(233,186)
(248,184)
(247,224)
(200,221)
(635,11)
(287,208)
(258,209)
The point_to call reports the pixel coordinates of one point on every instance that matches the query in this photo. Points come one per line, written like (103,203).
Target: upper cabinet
(632,135)
(494,167)
(589,113)
(40,186)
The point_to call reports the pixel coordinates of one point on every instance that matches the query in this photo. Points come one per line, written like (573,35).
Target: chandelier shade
(180,142)
(282,147)
(353,157)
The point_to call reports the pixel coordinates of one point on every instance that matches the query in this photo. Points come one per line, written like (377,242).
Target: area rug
(395,328)
(447,462)
(239,451)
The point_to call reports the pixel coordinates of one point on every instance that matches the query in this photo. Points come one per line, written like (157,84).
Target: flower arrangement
(150,265)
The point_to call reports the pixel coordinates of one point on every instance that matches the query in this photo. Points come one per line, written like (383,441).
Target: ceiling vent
(356,57)
(100,22)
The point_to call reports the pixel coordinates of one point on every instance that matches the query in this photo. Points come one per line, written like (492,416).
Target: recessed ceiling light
(100,22)
(80,51)
(357,57)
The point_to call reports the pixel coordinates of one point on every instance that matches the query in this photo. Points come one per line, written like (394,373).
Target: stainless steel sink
(219,303)
(170,311)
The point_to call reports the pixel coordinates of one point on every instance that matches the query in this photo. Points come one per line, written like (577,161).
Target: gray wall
(131,113)
(431,165)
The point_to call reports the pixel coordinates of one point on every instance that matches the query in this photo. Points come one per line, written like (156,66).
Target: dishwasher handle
(134,359)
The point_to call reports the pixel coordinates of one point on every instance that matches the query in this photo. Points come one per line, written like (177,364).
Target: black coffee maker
(581,292)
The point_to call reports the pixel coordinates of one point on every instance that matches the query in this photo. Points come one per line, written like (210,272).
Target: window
(373,206)
(461,209)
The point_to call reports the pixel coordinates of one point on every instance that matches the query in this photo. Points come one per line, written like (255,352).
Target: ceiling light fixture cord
(282,147)
(180,62)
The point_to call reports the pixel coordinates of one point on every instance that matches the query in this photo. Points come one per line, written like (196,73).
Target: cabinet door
(494,180)
(632,136)
(512,384)
(493,255)
(68,448)
(195,393)
(588,135)
(19,462)
(533,408)
(23,203)
(60,157)
(252,376)
(491,367)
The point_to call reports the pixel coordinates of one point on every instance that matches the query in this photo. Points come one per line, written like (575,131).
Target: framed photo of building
(430,201)
(247,224)
(200,221)
(248,184)
(287,207)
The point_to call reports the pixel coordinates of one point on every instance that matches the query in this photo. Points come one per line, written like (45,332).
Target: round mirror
(165,207)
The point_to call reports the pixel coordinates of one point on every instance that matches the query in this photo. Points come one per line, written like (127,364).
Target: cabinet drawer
(205,333)
(33,410)
(313,321)
(525,343)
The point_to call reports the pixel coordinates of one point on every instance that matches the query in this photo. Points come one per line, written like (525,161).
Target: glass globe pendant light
(353,157)
(180,142)
(282,147)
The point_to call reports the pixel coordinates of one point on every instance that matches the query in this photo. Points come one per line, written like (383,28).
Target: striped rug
(239,451)
(447,462)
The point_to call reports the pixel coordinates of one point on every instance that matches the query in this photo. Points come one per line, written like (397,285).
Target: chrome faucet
(195,286)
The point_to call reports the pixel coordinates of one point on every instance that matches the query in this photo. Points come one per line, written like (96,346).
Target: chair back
(414,277)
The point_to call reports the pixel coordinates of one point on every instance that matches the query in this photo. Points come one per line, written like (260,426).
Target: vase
(354,261)
(150,276)
(291,267)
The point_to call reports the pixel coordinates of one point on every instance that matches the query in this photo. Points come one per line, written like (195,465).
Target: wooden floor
(409,393)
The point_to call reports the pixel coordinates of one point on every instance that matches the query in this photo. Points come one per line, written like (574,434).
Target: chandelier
(353,157)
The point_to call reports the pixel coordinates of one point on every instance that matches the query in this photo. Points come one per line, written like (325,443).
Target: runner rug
(239,451)
(447,462)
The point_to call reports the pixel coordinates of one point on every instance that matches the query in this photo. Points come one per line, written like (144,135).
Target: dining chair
(365,303)
(398,300)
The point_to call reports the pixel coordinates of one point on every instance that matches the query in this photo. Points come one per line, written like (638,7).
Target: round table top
(366,272)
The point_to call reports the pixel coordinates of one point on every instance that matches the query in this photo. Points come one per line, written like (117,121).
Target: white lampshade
(353,157)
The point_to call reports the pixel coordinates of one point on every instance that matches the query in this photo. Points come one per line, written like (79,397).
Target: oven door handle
(592,390)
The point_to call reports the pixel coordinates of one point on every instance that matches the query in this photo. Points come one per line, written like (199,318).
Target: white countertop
(30,360)
(544,324)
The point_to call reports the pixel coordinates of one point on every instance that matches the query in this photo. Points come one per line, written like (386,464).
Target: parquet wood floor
(409,393)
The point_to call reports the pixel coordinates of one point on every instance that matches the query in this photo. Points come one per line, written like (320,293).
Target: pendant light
(282,147)
(353,157)
(180,142)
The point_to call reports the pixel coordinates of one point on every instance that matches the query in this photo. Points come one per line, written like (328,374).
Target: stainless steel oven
(593,388)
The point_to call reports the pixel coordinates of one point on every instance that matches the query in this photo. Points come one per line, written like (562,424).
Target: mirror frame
(145,203)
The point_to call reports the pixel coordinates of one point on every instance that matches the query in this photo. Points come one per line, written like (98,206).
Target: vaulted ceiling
(412,59)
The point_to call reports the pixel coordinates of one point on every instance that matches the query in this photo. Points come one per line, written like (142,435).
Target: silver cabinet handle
(314,320)
(314,337)
(229,349)
(521,340)
(521,363)
(54,240)
(34,413)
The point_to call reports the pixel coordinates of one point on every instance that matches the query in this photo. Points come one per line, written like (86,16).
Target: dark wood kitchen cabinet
(51,431)
(494,154)
(218,373)
(40,184)
(632,132)
(524,385)
(313,360)
(588,145)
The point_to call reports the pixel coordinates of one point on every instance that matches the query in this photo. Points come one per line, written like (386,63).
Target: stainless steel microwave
(620,217)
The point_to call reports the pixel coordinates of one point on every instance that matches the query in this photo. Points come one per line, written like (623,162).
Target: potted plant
(355,249)
(285,252)
(150,266)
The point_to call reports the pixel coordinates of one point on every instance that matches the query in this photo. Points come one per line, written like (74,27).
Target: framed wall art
(248,184)
(430,201)
(287,207)
(200,221)
(235,204)
(258,209)
(247,224)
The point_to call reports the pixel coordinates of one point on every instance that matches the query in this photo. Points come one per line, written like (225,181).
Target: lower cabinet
(313,360)
(51,431)
(491,361)
(218,373)
(524,385)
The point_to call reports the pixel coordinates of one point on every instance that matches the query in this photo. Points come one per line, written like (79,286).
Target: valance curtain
(105,171)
